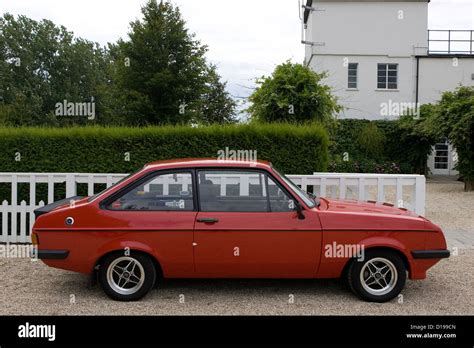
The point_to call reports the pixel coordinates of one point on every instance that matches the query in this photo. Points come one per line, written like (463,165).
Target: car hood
(369,207)
(370,216)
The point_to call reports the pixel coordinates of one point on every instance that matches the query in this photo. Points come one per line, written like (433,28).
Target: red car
(214,219)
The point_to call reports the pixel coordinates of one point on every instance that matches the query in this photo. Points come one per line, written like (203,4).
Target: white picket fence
(17,218)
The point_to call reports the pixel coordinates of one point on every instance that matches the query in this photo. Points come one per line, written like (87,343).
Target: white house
(382,61)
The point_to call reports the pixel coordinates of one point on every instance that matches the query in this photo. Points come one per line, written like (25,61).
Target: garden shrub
(293,149)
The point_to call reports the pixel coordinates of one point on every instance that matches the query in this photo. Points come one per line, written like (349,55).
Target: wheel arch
(398,252)
(156,262)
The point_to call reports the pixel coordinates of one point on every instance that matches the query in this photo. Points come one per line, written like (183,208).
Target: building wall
(372,32)
(367,33)
(438,75)
(369,28)
(367,101)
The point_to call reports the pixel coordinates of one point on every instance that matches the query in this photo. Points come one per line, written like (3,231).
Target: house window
(352,75)
(387,76)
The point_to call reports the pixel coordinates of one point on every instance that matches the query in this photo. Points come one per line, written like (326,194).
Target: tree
(293,93)
(162,75)
(216,105)
(453,118)
(42,64)
(412,135)
(158,76)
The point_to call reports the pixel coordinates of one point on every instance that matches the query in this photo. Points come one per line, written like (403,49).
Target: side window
(232,191)
(352,70)
(165,192)
(240,191)
(387,76)
(279,199)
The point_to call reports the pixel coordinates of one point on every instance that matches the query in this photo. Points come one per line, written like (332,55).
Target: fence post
(420,195)
(22,238)
(90,185)
(4,210)
(361,189)
(109,181)
(50,189)
(14,209)
(322,190)
(399,194)
(342,188)
(380,190)
(70,185)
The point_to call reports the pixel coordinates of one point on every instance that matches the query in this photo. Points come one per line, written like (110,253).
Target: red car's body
(183,244)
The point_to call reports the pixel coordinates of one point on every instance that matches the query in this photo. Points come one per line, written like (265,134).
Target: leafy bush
(293,93)
(371,140)
(364,166)
(294,149)
(357,143)
(453,118)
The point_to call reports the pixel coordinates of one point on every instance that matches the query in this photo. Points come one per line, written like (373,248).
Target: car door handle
(208,220)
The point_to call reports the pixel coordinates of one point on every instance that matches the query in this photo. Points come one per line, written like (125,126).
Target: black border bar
(225,330)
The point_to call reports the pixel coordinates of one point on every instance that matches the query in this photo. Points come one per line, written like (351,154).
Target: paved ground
(453,209)
(32,288)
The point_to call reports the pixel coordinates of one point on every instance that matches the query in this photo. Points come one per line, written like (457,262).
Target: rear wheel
(127,277)
(380,277)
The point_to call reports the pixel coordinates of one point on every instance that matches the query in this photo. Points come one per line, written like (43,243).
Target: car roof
(206,162)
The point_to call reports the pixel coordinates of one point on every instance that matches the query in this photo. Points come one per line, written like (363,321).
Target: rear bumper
(53,254)
(430,254)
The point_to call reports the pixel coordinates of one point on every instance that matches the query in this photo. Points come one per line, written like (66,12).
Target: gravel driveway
(31,288)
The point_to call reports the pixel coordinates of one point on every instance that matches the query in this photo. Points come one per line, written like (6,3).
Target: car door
(247,227)
(157,214)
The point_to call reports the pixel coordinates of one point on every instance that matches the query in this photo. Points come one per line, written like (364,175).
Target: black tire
(133,287)
(373,263)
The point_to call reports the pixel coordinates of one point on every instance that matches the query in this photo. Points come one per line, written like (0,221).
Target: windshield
(91,198)
(306,197)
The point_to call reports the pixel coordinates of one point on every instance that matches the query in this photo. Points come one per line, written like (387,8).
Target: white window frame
(387,70)
(356,76)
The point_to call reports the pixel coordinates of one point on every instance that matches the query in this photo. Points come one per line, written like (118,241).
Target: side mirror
(299,211)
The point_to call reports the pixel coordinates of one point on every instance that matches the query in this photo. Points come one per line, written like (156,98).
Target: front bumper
(430,254)
(53,254)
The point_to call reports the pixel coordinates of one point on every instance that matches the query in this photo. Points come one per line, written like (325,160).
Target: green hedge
(403,151)
(294,149)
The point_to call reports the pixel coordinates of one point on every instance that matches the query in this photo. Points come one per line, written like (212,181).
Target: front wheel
(380,277)
(127,277)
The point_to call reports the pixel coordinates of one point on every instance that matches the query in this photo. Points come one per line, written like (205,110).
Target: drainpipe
(417,79)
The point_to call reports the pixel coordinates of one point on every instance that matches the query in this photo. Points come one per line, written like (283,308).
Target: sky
(246,38)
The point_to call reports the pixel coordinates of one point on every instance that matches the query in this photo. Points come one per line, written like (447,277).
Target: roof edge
(309,3)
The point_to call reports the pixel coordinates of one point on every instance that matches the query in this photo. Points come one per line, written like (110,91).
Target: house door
(441,159)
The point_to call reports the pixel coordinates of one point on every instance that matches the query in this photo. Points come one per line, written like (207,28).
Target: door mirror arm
(299,211)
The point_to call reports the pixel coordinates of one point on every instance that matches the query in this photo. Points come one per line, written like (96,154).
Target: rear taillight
(34,239)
